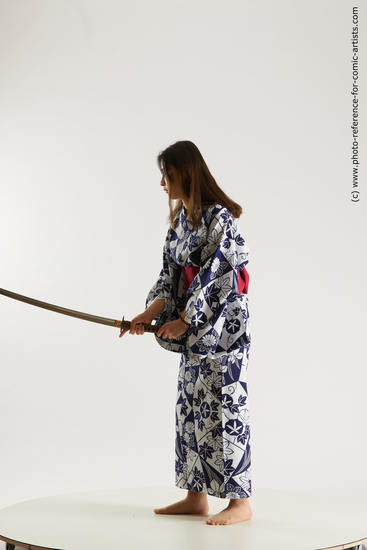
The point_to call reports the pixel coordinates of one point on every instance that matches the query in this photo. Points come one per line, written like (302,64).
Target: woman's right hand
(136,327)
(147,317)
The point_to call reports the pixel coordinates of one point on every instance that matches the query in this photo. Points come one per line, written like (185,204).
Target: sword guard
(124,325)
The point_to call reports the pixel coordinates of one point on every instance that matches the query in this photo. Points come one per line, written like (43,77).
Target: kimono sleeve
(162,289)
(214,290)
(157,290)
(170,287)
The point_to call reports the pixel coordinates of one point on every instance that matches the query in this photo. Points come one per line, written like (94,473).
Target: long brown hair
(199,187)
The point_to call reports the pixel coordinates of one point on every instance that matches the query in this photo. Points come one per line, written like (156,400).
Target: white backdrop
(91,91)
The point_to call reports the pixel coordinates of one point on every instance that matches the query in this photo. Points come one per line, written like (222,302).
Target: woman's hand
(147,317)
(173,329)
(136,327)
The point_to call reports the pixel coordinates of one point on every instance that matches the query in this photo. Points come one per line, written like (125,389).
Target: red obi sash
(243,278)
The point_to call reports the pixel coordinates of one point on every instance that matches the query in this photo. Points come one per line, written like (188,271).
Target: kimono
(213,452)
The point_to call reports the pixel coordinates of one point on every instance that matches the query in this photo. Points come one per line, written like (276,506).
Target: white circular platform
(124,518)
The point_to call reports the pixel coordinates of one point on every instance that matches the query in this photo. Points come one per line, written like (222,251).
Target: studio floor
(124,518)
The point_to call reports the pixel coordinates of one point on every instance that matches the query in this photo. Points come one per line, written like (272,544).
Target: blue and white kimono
(213,453)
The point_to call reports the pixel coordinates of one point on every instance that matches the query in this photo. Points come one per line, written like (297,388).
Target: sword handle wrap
(125,325)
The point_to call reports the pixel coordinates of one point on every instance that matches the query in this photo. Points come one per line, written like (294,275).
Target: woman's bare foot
(237,510)
(194,503)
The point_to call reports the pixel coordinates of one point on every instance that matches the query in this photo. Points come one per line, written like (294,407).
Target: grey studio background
(91,91)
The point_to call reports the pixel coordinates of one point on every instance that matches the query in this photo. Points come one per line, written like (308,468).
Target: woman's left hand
(173,329)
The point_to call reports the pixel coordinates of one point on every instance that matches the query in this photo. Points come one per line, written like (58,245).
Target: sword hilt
(125,325)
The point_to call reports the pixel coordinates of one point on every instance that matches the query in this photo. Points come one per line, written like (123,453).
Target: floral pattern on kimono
(218,315)
(213,451)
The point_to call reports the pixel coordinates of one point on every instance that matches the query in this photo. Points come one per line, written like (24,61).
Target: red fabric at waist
(243,278)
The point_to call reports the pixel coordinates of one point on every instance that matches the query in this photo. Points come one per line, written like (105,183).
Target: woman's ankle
(239,502)
(193,495)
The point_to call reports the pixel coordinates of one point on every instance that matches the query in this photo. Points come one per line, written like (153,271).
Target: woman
(201,305)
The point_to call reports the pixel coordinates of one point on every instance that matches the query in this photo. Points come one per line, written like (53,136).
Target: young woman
(200,302)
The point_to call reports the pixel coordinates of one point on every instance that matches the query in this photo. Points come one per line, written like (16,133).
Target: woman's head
(189,180)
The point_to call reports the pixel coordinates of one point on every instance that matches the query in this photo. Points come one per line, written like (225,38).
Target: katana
(122,325)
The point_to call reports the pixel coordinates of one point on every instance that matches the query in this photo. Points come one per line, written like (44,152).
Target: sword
(122,325)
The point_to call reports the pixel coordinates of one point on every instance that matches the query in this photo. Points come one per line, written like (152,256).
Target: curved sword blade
(78,314)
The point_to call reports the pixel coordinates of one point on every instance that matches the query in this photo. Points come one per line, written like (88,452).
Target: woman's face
(171,183)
